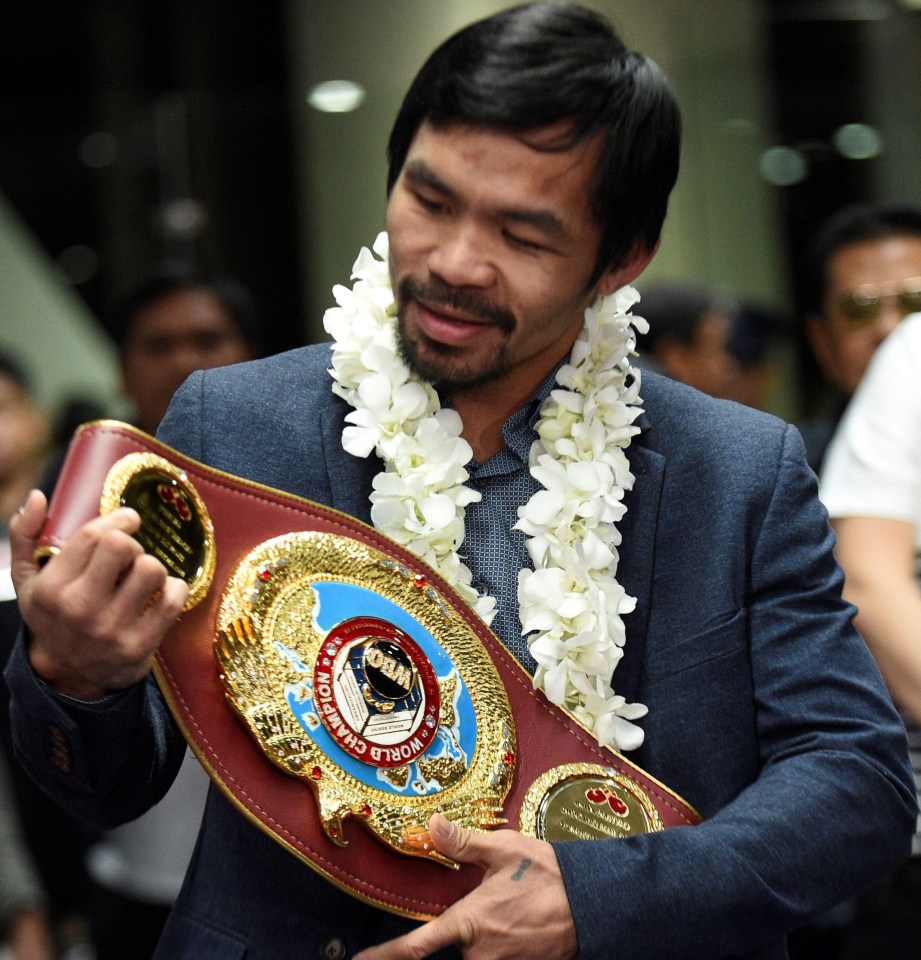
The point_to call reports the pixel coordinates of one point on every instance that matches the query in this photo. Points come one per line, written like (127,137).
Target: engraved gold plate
(175,525)
(582,801)
(353,674)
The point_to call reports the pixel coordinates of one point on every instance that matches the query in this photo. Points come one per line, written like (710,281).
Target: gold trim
(550,812)
(241,808)
(270,603)
(169,545)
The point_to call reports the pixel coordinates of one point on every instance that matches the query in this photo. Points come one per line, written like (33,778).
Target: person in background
(24,923)
(55,842)
(689,329)
(871,485)
(24,440)
(531,163)
(172,322)
(25,435)
(753,338)
(864,269)
(175,321)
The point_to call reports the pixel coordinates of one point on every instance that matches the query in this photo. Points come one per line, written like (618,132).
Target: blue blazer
(766,711)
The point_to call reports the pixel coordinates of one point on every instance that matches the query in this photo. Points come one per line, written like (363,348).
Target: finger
(28,520)
(460,844)
(136,580)
(24,530)
(161,609)
(79,548)
(448,929)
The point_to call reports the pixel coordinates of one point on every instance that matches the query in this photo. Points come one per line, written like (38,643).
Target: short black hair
(673,309)
(172,276)
(853,224)
(13,370)
(535,65)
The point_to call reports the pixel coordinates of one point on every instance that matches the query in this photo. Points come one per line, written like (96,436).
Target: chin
(443,367)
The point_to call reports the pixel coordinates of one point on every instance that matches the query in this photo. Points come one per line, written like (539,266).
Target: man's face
(492,246)
(704,363)
(185,331)
(842,341)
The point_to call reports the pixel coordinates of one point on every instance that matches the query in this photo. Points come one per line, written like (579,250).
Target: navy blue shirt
(492,550)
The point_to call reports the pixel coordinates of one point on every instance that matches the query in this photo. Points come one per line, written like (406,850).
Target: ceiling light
(336,96)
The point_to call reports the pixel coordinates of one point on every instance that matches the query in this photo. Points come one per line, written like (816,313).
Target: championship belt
(338,691)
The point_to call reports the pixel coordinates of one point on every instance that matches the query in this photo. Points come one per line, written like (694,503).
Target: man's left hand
(520,910)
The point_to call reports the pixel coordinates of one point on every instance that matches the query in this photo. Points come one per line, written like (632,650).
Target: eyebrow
(419,173)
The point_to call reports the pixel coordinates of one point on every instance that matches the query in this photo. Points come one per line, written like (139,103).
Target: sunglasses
(863,306)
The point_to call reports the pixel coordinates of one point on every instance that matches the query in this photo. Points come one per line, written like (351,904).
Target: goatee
(438,363)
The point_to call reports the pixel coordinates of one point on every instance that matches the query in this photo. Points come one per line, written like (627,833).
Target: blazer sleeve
(108,761)
(832,804)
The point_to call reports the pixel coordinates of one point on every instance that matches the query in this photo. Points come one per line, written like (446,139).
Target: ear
(616,277)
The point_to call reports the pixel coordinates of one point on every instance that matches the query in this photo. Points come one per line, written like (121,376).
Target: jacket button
(60,752)
(333,949)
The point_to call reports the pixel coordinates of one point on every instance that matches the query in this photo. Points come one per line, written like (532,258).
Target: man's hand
(97,610)
(520,910)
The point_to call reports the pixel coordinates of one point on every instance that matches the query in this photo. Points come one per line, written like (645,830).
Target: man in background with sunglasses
(865,270)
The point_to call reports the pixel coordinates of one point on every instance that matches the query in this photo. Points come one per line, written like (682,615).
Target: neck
(483,424)
(484,410)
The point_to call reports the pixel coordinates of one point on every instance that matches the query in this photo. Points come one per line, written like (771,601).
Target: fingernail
(442,827)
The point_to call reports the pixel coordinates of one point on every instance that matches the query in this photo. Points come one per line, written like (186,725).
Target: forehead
(179,310)
(878,260)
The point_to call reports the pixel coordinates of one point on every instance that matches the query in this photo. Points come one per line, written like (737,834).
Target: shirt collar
(518,431)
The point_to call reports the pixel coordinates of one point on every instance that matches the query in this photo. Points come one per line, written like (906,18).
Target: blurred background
(249,138)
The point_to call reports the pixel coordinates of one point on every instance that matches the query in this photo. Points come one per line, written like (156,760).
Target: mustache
(436,293)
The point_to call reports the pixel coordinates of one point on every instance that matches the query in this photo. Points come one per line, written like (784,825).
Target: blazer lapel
(349,476)
(637,560)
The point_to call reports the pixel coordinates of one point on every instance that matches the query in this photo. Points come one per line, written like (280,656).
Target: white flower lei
(570,601)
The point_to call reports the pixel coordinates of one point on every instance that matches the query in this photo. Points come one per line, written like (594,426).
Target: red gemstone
(419,580)
(509,758)
(334,831)
(264,574)
(316,773)
(366,810)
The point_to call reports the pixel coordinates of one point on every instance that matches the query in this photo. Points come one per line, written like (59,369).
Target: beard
(441,364)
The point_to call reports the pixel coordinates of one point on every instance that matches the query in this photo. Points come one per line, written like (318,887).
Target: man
(689,331)
(25,436)
(174,321)
(530,166)
(865,269)
(24,440)
(871,486)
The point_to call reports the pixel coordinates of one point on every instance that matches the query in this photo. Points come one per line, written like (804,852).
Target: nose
(461,258)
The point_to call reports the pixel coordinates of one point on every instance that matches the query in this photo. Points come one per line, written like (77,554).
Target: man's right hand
(98,609)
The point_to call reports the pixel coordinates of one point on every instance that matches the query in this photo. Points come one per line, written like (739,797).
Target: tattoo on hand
(522,869)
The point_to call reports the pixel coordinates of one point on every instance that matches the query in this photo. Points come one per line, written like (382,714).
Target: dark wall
(114,110)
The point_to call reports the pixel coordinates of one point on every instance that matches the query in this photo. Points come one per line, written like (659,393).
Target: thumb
(458,843)
(24,531)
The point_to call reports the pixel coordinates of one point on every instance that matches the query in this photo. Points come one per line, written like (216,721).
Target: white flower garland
(570,601)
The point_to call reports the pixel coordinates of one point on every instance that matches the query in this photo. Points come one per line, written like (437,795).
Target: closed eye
(523,243)
(429,203)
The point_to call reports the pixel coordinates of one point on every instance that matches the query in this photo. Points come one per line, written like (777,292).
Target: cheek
(854,356)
